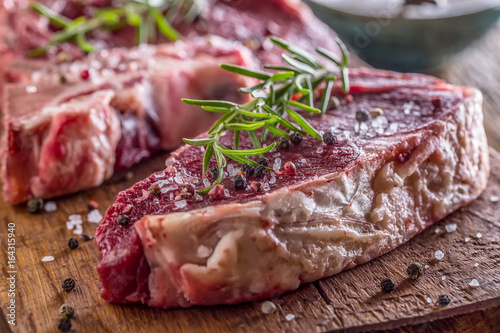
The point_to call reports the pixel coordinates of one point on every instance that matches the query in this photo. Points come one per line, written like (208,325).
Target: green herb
(276,99)
(147,18)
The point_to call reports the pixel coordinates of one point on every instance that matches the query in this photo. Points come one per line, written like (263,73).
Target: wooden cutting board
(351,300)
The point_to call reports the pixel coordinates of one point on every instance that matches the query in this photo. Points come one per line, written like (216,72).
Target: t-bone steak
(59,139)
(62,134)
(384,181)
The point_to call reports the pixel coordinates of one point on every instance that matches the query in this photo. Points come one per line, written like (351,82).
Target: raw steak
(384,181)
(56,142)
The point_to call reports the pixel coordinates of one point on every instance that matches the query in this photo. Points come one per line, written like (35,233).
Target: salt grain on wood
(494,198)
(439,255)
(467,239)
(290,317)
(479,235)
(474,283)
(47,259)
(50,206)
(451,227)
(94,216)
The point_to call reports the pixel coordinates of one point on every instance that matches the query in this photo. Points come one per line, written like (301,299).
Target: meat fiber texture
(383,182)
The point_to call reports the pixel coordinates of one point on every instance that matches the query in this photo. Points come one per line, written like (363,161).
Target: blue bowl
(403,43)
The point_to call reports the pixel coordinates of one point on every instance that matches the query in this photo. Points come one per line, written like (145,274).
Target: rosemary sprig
(147,17)
(276,100)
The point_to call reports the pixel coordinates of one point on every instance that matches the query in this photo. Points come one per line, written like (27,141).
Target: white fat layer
(314,230)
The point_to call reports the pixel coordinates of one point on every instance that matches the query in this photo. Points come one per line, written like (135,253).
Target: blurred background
(457,40)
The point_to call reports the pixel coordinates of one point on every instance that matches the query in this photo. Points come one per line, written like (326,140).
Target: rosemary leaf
(209,152)
(303,123)
(246,72)
(198,142)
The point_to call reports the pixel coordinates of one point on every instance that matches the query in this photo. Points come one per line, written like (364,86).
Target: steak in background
(383,181)
(145,83)
(44,155)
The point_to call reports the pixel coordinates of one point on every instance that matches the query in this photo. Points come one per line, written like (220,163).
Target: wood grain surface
(349,301)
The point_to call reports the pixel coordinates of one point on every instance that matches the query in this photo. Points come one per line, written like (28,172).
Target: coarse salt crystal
(319,150)
(474,283)
(276,155)
(437,230)
(451,227)
(426,266)
(75,217)
(290,317)
(277,164)
(429,300)
(180,204)
(272,180)
(467,239)
(197,197)
(231,170)
(171,196)
(178,179)
(479,235)
(69,225)
(226,192)
(476,264)
(268,307)
(266,187)
(47,259)
(206,182)
(78,229)
(494,198)
(94,216)
(50,206)
(439,255)
(443,277)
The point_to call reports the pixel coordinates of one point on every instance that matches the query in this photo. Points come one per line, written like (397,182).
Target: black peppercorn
(362,116)
(35,206)
(329,138)
(64,325)
(212,173)
(444,300)
(66,311)
(69,284)
(73,243)
(334,103)
(415,270)
(248,169)
(187,191)
(123,220)
(387,285)
(87,238)
(263,161)
(260,171)
(155,190)
(283,143)
(296,138)
(239,182)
